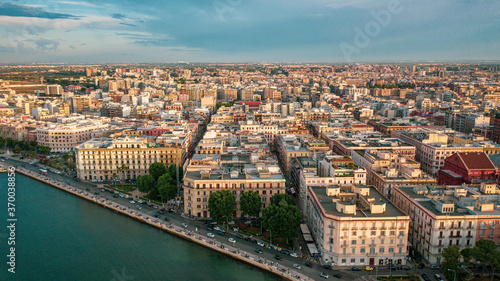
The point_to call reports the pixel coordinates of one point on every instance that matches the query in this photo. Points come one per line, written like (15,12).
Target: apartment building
(266,180)
(450,215)
(64,137)
(98,159)
(331,170)
(356,225)
(432,148)
(387,169)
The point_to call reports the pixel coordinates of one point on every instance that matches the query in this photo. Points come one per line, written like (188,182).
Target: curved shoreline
(281,271)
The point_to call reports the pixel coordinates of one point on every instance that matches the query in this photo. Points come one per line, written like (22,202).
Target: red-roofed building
(464,167)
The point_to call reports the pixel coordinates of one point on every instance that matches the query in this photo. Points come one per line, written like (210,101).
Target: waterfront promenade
(227,249)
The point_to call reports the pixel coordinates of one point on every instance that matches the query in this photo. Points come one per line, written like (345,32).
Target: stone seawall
(281,271)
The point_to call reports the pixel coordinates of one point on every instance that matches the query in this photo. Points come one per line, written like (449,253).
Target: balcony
(383,228)
(483,227)
(400,245)
(345,229)
(382,237)
(331,227)
(456,236)
(401,236)
(354,228)
(469,236)
(362,237)
(343,246)
(373,228)
(364,228)
(371,254)
(372,245)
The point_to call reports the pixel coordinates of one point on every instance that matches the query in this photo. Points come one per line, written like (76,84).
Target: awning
(312,249)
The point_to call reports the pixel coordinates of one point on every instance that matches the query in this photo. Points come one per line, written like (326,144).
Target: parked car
(230,222)
(184,225)
(138,207)
(285,252)
(438,278)
(425,277)
(368,268)
(260,243)
(337,275)
(324,275)
(209,228)
(308,264)
(239,236)
(327,266)
(231,240)
(294,255)
(217,228)
(211,235)
(156,215)
(221,233)
(258,251)
(296,266)
(166,219)
(421,265)
(355,268)
(247,239)
(434,266)
(405,267)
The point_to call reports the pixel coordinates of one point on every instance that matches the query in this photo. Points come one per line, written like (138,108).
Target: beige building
(356,225)
(64,137)
(98,159)
(266,180)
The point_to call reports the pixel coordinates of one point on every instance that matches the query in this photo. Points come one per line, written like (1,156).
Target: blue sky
(113,31)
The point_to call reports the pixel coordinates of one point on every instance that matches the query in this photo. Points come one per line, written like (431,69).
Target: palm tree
(114,176)
(122,169)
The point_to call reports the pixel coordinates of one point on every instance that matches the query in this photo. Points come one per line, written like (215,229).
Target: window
(381,250)
(353,251)
(353,261)
(391,250)
(362,250)
(353,242)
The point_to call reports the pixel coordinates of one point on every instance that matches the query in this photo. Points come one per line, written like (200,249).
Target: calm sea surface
(62,237)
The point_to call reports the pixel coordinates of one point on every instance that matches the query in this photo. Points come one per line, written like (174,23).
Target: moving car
(355,268)
(308,264)
(166,219)
(438,278)
(421,265)
(425,277)
(324,275)
(231,240)
(138,207)
(294,255)
(327,266)
(258,251)
(434,266)
(132,202)
(285,252)
(278,257)
(239,236)
(368,268)
(221,233)
(184,225)
(211,235)
(337,275)
(296,266)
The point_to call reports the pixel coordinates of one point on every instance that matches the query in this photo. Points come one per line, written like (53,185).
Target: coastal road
(241,244)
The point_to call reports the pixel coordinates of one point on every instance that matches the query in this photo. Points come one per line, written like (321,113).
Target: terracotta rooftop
(476,160)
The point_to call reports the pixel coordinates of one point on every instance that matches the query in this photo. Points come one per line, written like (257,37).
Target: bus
(43,172)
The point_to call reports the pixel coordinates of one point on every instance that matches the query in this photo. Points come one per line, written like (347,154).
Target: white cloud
(77,3)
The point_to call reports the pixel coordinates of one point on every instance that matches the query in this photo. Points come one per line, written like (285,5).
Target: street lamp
(454,274)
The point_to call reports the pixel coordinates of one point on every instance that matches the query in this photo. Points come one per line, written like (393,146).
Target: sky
(132,31)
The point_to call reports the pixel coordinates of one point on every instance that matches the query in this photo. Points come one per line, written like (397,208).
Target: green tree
(283,219)
(221,205)
(485,251)
(250,203)
(122,169)
(114,176)
(166,186)
(156,170)
(145,183)
(451,262)
(277,198)
(16,150)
